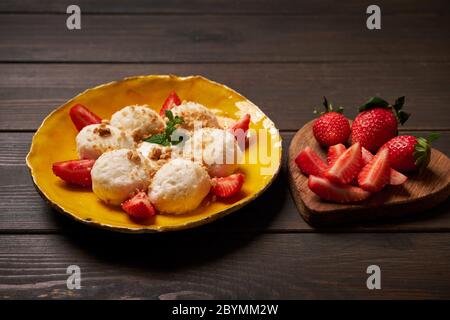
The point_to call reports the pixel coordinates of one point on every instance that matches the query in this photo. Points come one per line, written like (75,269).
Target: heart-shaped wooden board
(420,192)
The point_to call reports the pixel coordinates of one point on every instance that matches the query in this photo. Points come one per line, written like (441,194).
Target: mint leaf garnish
(165,137)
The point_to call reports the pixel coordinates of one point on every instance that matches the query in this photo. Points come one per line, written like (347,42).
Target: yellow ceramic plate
(55,141)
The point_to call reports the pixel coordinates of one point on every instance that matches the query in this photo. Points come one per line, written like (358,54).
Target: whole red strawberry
(331,127)
(408,153)
(377,123)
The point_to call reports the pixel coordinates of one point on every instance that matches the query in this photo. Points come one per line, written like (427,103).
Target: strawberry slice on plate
(376,174)
(329,191)
(225,187)
(334,152)
(310,163)
(240,128)
(139,206)
(346,166)
(171,101)
(396,178)
(82,116)
(76,172)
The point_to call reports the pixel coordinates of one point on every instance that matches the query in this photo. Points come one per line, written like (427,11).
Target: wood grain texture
(227,7)
(23,210)
(199,266)
(420,192)
(228,38)
(28,92)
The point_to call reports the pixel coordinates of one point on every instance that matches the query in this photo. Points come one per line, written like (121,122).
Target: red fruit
(225,187)
(77,172)
(375,175)
(241,126)
(408,153)
(336,192)
(366,156)
(331,127)
(346,166)
(171,101)
(377,123)
(82,116)
(310,163)
(334,152)
(139,206)
(396,178)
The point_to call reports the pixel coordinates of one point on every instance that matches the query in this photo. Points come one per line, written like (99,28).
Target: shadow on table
(177,250)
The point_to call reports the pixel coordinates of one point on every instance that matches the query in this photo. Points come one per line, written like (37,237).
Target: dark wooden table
(284,56)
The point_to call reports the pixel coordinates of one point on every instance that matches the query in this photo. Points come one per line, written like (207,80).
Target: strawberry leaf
(329,108)
(422,151)
(433,137)
(374,102)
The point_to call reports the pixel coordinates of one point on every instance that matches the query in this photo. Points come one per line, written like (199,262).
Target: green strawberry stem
(376,102)
(422,151)
(329,108)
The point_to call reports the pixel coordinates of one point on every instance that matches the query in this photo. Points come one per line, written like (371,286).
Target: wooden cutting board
(421,191)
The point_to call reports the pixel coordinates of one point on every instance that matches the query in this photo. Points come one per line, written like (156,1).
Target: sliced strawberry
(82,116)
(336,192)
(366,156)
(77,172)
(334,152)
(310,163)
(225,187)
(396,178)
(240,128)
(375,175)
(171,101)
(346,166)
(139,206)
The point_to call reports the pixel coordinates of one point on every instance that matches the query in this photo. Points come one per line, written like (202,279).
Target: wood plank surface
(28,92)
(23,210)
(199,266)
(226,7)
(223,38)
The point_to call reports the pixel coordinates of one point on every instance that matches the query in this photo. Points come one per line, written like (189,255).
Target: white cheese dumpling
(216,149)
(138,121)
(118,174)
(95,139)
(192,112)
(179,186)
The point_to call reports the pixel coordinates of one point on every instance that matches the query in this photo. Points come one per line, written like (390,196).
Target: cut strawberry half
(375,175)
(240,128)
(82,116)
(225,187)
(346,166)
(171,101)
(396,178)
(139,206)
(341,193)
(366,156)
(334,152)
(76,172)
(310,163)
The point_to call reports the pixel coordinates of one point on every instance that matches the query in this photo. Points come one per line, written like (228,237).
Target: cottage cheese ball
(216,149)
(179,186)
(192,112)
(138,121)
(95,139)
(117,174)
